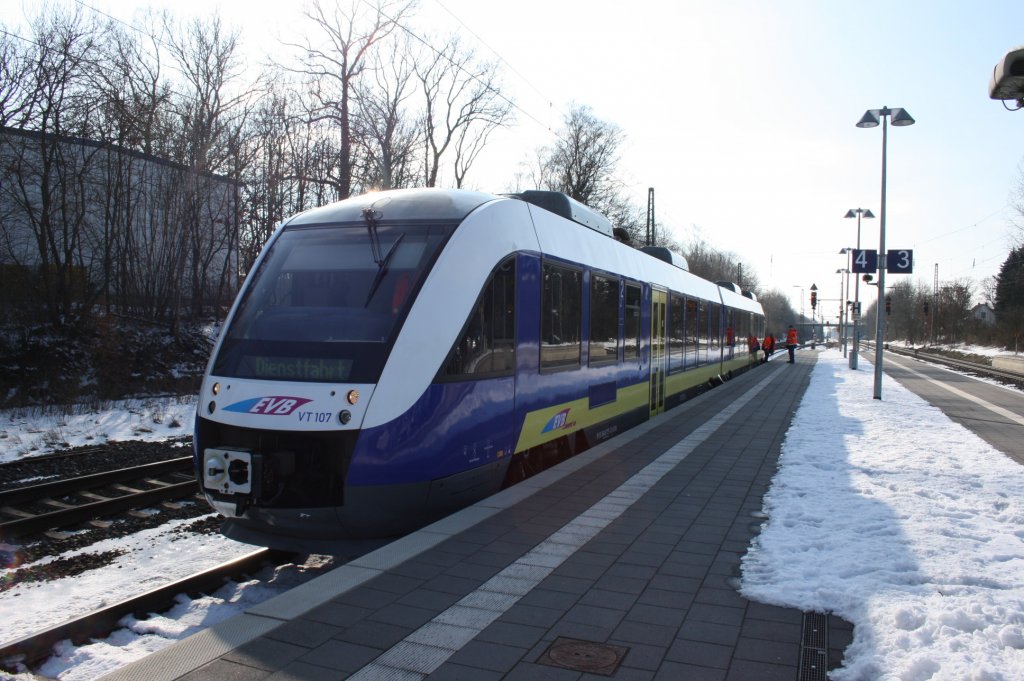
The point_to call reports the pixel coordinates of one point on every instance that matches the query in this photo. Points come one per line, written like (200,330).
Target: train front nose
(290,480)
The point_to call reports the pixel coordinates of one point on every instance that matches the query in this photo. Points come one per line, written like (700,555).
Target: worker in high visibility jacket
(792,340)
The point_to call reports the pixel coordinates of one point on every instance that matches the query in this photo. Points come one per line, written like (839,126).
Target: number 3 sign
(899,262)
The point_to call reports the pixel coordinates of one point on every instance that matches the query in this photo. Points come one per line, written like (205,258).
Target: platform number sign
(899,262)
(865,261)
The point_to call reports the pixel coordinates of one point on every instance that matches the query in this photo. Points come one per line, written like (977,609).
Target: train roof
(399,204)
(568,208)
(666,255)
(555,237)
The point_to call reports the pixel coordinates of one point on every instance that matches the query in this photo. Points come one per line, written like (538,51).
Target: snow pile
(890,515)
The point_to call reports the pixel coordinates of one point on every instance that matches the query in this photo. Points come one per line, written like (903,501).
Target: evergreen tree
(1009,303)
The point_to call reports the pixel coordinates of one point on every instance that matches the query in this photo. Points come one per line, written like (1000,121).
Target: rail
(25,522)
(975,367)
(35,648)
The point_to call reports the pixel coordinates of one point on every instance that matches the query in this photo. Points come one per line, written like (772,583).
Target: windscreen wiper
(371,216)
(382,268)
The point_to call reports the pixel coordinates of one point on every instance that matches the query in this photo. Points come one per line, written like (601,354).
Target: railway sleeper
(55,503)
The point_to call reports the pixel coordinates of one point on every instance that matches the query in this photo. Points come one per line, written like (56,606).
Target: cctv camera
(1008,76)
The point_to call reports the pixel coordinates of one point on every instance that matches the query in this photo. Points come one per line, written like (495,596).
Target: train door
(659,356)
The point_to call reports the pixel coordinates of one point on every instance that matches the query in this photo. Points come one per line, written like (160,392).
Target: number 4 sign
(865,261)
(899,262)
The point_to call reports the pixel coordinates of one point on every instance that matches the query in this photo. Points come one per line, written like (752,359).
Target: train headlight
(215,389)
(345,416)
(353,396)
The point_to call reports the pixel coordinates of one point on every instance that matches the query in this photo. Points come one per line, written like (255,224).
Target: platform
(619,563)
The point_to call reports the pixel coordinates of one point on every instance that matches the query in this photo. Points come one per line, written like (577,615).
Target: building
(984,313)
(84,222)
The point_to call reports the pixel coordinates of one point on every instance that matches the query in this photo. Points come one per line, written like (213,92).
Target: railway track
(974,367)
(33,649)
(63,503)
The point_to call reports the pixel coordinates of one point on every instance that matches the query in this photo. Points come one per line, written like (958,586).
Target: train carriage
(398,355)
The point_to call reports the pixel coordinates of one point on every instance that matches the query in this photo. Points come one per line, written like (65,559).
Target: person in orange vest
(792,340)
(768,345)
(752,344)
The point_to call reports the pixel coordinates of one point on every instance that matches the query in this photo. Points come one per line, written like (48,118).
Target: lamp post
(900,118)
(844,315)
(856,213)
(814,306)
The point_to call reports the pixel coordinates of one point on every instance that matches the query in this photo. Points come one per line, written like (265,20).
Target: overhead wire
(499,56)
(473,76)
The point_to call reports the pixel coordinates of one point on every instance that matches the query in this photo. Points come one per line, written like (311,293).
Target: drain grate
(814,648)
(583,656)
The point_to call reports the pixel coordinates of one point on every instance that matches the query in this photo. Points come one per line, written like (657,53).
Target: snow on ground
(884,512)
(139,638)
(31,432)
(150,559)
(901,521)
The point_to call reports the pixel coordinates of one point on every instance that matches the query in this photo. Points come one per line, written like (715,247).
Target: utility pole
(650,216)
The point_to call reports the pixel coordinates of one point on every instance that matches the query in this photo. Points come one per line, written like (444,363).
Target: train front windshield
(326,302)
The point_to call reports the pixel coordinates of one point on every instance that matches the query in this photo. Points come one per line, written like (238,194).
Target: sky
(918,544)
(741,115)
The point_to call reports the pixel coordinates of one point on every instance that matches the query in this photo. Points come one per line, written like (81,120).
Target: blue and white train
(401,354)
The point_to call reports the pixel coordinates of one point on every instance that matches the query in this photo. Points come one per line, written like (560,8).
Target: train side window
(487,345)
(744,324)
(714,332)
(604,320)
(677,333)
(692,337)
(631,325)
(729,320)
(561,317)
(705,331)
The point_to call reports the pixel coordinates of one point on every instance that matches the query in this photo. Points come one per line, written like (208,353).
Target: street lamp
(801,301)
(899,117)
(856,213)
(844,315)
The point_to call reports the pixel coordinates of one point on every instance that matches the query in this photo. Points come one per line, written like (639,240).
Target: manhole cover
(583,656)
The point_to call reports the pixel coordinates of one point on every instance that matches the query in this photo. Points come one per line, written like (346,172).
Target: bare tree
(17,98)
(714,265)
(134,115)
(47,182)
(212,114)
(778,311)
(584,158)
(334,66)
(463,105)
(136,90)
(386,131)
(1017,203)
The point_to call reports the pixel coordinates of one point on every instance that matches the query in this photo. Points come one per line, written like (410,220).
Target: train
(399,355)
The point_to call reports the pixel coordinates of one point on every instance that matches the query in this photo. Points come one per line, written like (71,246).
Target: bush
(107,358)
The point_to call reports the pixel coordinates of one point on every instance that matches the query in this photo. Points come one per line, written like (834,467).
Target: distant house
(984,313)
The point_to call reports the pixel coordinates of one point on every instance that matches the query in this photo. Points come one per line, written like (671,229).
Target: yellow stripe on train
(548,424)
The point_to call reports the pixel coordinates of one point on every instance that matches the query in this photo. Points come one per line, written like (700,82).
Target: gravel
(78,461)
(85,461)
